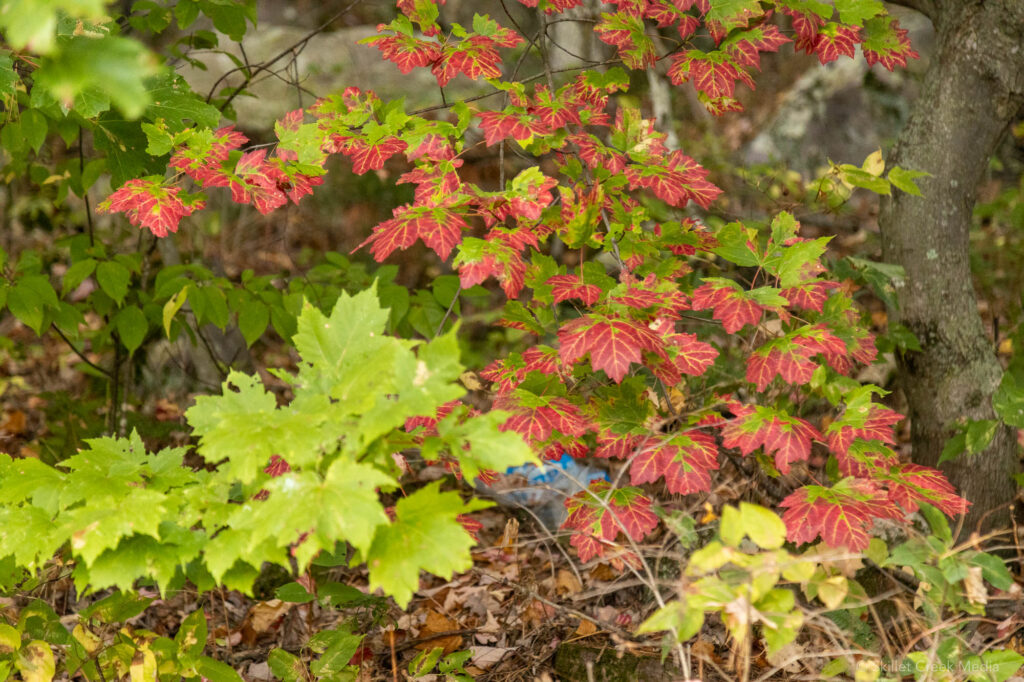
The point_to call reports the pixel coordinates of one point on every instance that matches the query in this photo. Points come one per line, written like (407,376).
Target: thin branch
(82,357)
(447,313)
(265,66)
(85,190)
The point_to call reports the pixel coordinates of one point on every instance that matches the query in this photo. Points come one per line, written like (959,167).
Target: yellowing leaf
(874,164)
(832,591)
(172,307)
(762,525)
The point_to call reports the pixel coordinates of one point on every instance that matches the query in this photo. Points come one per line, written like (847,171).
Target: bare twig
(300,44)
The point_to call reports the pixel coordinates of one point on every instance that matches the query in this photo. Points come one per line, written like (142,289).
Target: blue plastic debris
(544,490)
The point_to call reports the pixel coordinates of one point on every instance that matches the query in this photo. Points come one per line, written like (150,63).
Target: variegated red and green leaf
(626,31)
(613,343)
(537,419)
(731,305)
(841,515)
(439,228)
(910,484)
(677,181)
(685,460)
(786,437)
(149,203)
(564,287)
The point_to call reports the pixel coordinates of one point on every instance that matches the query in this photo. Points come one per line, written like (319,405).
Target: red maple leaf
(662,12)
(148,203)
(423,12)
(685,460)
(529,195)
(437,184)
(746,48)
(405,51)
(910,484)
(368,156)
(475,272)
(543,359)
(471,525)
(712,73)
(476,57)
(731,306)
(479,259)
(202,155)
(554,111)
(640,299)
(819,339)
(596,155)
(809,295)
(552,6)
(633,512)
(834,41)
(612,342)
(866,420)
(432,147)
(788,437)
(840,515)
(429,423)
(805,25)
(519,125)
(616,445)
(865,459)
(781,357)
(438,228)
(886,43)
(259,181)
(599,514)
(539,422)
(679,180)
(692,357)
(626,31)
(865,350)
(564,287)
(509,372)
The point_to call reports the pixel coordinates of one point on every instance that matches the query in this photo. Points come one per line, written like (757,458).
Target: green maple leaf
(337,351)
(23,479)
(109,466)
(347,356)
(425,536)
(237,425)
(107,519)
(858,11)
(341,506)
(246,428)
(232,550)
(733,13)
(136,557)
(28,534)
(488,448)
(421,384)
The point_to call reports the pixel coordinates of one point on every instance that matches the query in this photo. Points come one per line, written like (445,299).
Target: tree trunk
(973,89)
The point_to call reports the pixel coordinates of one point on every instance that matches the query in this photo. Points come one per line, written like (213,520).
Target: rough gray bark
(973,89)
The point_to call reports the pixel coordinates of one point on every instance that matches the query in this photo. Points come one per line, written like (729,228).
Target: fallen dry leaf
(166,411)
(437,623)
(603,572)
(13,423)
(264,617)
(567,582)
(586,628)
(538,613)
(975,586)
(510,537)
(485,657)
